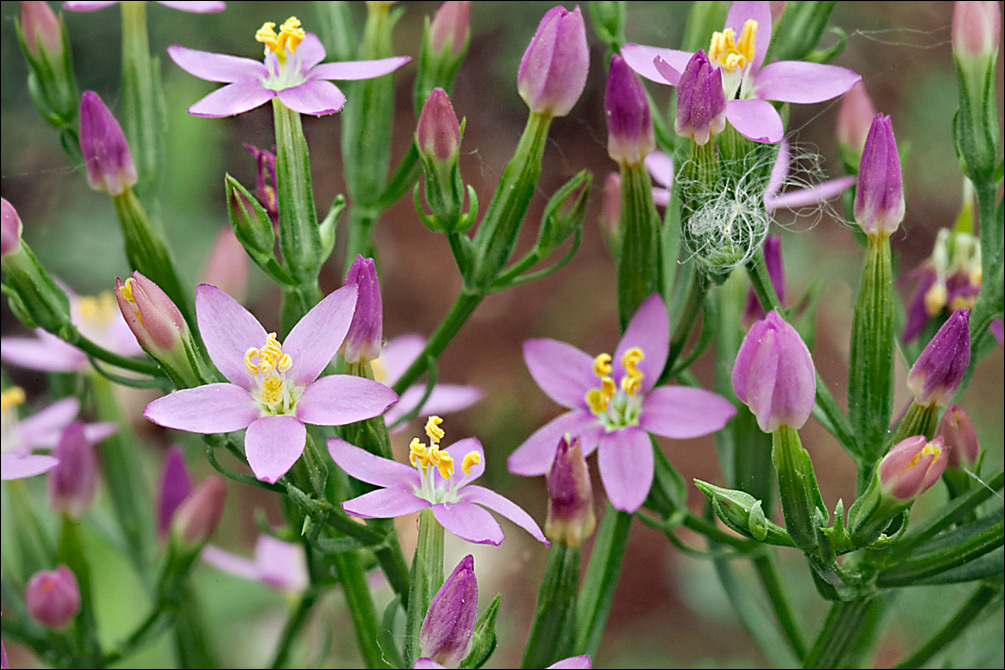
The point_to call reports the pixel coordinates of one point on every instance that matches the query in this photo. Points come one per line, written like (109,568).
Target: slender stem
(767,569)
(838,634)
(716,534)
(601,579)
(141,365)
(292,627)
(554,620)
(427,578)
(459,312)
(685,321)
(982,597)
(364,613)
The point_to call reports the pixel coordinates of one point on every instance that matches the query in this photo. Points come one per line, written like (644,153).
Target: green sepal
(555,618)
(608,20)
(436,70)
(640,264)
(34,296)
(799,30)
(426,579)
(918,420)
(299,236)
(802,504)
(484,640)
(738,509)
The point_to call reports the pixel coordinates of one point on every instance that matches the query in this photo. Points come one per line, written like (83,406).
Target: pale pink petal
(684,412)
(804,197)
(232,99)
(97,432)
(504,506)
(384,504)
(756,120)
(660,167)
(469,522)
(625,460)
(273,444)
(562,371)
(426,664)
(444,399)
(536,454)
(649,330)
(16,465)
(779,171)
(43,428)
(459,449)
(85,6)
(358,69)
(317,336)
(309,52)
(228,562)
(281,565)
(640,58)
(196,7)
(217,67)
(739,12)
(48,353)
(229,331)
(661,196)
(213,408)
(398,354)
(367,467)
(314,98)
(669,73)
(336,400)
(802,82)
(572,663)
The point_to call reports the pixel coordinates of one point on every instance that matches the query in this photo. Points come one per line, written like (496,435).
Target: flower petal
(669,73)
(367,467)
(814,195)
(469,522)
(86,6)
(625,459)
(273,444)
(336,400)
(282,565)
(536,454)
(684,412)
(779,171)
(461,448)
(398,354)
(358,69)
(213,408)
(16,465)
(196,7)
(315,98)
(310,52)
(755,119)
(648,330)
(562,371)
(384,504)
(802,82)
(228,562)
(572,663)
(444,399)
(660,167)
(43,428)
(317,336)
(232,99)
(97,432)
(216,67)
(738,14)
(504,506)
(50,353)
(229,331)
(640,58)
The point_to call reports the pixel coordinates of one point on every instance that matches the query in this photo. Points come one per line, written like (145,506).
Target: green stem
(982,597)
(838,634)
(142,97)
(352,576)
(427,578)
(141,365)
(292,627)
(715,534)
(639,264)
(686,320)
(601,579)
(554,620)
(767,569)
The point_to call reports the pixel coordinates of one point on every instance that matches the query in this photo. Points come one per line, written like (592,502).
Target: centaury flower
(738,51)
(277,564)
(431,481)
(613,405)
(192,7)
(292,70)
(274,388)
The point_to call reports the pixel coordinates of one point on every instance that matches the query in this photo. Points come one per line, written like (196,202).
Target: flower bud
(553,69)
(176,486)
(153,317)
(365,338)
(912,466)
(10,229)
(960,438)
(449,28)
(630,135)
(51,80)
(937,373)
(438,134)
(570,496)
(752,310)
(976,37)
(743,513)
(450,622)
(977,29)
(107,158)
(879,198)
(701,100)
(73,484)
(41,28)
(854,118)
(198,517)
(774,375)
(53,597)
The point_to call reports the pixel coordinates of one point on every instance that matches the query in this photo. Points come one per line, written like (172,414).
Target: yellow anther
(433,455)
(272,390)
(928,450)
(732,54)
(289,37)
(98,309)
(935,299)
(446,465)
(267,36)
(12,397)
(632,380)
(962,301)
(433,430)
(269,358)
(379,370)
(597,401)
(249,363)
(471,459)
(127,290)
(747,38)
(602,365)
(417,453)
(607,387)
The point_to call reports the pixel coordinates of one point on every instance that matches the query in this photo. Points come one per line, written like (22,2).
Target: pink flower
(192,7)
(277,564)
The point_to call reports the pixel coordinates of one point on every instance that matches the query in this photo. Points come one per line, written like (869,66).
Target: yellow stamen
(471,459)
(127,290)
(929,450)
(286,42)
(597,401)
(732,54)
(272,390)
(98,309)
(602,365)
(632,381)
(270,358)
(935,299)
(379,370)
(12,397)
(446,465)
(433,430)
(433,455)
(417,452)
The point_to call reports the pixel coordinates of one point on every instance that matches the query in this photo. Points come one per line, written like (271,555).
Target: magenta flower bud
(854,119)
(449,28)
(365,338)
(630,135)
(701,100)
(960,438)
(570,496)
(937,373)
(450,622)
(879,198)
(176,486)
(10,229)
(198,517)
(911,467)
(107,158)
(153,317)
(752,310)
(553,69)
(53,597)
(774,375)
(73,484)
(977,29)
(41,28)
(438,133)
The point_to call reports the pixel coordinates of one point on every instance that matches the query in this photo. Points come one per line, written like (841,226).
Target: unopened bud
(53,597)
(630,135)
(570,496)
(936,375)
(879,196)
(960,438)
(365,338)
(450,622)
(176,486)
(106,154)
(701,100)
(198,517)
(449,29)
(855,115)
(73,484)
(10,229)
(553,69)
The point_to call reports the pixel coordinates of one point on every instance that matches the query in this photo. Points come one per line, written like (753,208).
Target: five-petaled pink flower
(274,388)
(739,52)
(292,70)
(613,405)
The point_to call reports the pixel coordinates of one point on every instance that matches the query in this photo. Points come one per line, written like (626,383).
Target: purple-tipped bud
(752,310)
(450,622)
(107,158)
(960,438)
(570,497)
(176,486)
(854,119)
(265,182)
(774,375)
(41,28)
(10,229)
(630,135)
(937,373)
(879,198)
(228,267)
(438,134)
(73,484)
(449,29)
(701,100)
(553,69)
(53,597)
(911,467)
(977,29)
(198,517)
(153,317)
(365,338)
